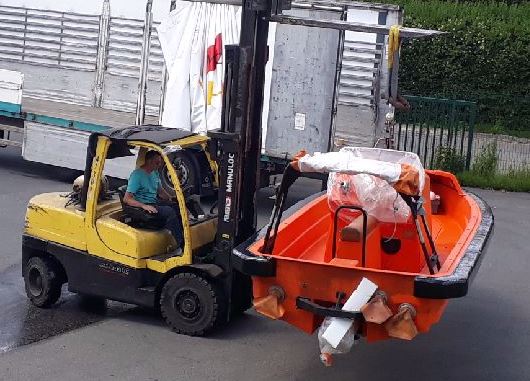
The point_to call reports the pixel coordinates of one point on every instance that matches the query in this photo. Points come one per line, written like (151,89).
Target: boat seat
(354,231)
(350,244)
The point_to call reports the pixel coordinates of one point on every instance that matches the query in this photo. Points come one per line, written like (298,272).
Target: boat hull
(461,233)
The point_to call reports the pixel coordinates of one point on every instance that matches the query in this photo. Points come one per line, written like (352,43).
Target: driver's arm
(131,201)
(164,195)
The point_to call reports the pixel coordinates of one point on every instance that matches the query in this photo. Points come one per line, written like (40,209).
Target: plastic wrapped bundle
(389,156)
(372,193)
(373,190)
(402,170)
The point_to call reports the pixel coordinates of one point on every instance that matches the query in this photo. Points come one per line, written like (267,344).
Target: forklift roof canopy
(121,136)
(149,132)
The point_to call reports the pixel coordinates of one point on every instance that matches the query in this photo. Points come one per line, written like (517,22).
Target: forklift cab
(142,236)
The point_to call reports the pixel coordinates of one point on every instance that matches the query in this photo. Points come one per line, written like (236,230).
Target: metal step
(364,43)
(355,103)
(368,78)
(347,59)
(165,256)
(353,49)
(7,131)
(355,95)
(355,86)
(349,66)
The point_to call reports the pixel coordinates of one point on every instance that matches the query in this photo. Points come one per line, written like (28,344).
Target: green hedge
(514,182)
(484,57)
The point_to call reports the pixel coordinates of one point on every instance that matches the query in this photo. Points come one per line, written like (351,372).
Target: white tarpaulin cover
(383,163)
(193,38)
(364,177)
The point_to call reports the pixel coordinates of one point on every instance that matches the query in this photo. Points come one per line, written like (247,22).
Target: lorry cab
(88,240)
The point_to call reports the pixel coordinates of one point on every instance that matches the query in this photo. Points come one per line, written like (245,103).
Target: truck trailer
(67,74)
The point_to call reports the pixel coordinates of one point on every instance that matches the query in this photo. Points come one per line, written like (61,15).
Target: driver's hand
(149,209)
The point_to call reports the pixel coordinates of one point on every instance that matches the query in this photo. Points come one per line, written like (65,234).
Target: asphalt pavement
(484,336)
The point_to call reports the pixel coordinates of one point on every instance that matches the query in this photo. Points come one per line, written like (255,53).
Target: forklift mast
(236,146)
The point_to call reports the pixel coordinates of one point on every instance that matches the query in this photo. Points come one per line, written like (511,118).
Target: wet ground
(21,323)
(484,336)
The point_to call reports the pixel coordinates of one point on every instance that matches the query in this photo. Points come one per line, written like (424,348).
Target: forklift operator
(144,191)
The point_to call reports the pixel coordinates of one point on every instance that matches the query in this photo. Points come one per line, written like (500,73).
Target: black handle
(315,308)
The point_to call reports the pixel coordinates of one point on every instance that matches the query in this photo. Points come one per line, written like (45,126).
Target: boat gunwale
(451,284)
(449,265)
(456,284)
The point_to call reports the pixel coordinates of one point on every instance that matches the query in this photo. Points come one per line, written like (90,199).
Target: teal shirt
(144,186)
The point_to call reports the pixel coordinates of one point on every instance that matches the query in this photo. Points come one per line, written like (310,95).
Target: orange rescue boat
(305,265)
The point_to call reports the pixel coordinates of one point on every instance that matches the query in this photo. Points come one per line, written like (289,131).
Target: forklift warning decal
(229,182)
(230,173)
(108,267)
(228,206)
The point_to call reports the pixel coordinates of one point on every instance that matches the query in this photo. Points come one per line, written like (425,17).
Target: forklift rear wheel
(43,287)
(190,304)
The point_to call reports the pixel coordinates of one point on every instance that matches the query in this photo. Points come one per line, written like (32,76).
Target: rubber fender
(212,270)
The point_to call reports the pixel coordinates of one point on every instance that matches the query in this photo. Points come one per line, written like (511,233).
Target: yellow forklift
(100,246)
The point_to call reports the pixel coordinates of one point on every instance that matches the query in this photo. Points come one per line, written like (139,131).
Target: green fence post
(472,116)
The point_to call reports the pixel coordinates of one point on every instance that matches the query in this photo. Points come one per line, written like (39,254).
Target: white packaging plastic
(389,156)
(373,194)
(383,163)
(363,177)
(348,162)
(193,38)
(327,350)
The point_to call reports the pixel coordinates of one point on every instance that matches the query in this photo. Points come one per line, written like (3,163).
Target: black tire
(186,171)
(191,305)
(41,278)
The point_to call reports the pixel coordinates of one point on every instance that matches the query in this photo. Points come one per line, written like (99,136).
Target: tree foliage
(484,57)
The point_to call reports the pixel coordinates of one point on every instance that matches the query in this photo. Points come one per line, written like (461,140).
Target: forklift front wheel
(43,287)
(190,304)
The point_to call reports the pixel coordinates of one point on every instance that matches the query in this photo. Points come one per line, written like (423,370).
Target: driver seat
(137,217)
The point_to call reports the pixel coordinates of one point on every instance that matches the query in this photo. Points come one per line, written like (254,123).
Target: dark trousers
(169,212)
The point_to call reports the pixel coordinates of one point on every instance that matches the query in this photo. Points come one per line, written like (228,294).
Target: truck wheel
(190,304)
(186,171)
(43,287)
